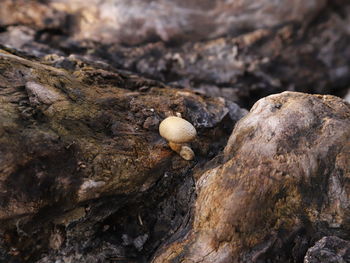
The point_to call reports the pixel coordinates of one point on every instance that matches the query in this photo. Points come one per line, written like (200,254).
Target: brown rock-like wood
(84,174)
(282,181)
(79,145)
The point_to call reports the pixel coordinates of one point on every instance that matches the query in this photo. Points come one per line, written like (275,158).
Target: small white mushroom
(178,132)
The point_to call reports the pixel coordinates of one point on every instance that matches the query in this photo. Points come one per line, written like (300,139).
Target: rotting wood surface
(73,141)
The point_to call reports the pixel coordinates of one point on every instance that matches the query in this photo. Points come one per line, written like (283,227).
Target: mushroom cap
(177,130)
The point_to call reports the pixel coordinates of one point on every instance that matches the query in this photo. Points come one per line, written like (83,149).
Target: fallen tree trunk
(282,183)
(79,146)
(85,175)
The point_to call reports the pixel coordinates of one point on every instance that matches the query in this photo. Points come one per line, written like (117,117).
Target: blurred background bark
(242,50)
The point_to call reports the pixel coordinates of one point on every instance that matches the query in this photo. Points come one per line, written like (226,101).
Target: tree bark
(78,146)
(281,183)
(85,175)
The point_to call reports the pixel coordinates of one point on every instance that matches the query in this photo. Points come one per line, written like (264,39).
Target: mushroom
(178,132)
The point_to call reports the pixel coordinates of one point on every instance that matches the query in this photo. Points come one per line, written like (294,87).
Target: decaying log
(282,182)
(85,176)
(80,145)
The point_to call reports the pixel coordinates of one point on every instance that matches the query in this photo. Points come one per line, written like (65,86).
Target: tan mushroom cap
(177,130)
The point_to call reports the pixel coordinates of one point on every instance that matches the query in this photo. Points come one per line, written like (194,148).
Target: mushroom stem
(176,147)
(183,150)
(186,153)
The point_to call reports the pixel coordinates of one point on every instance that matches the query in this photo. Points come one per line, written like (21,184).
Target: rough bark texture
(68,138)
(302,47)
(84,174)
(283,180)
(329,249)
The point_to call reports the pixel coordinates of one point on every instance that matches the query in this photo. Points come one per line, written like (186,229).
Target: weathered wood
(84,174)
(69,138)
(283,182)
(139,21)
(329,249)
(299,48)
